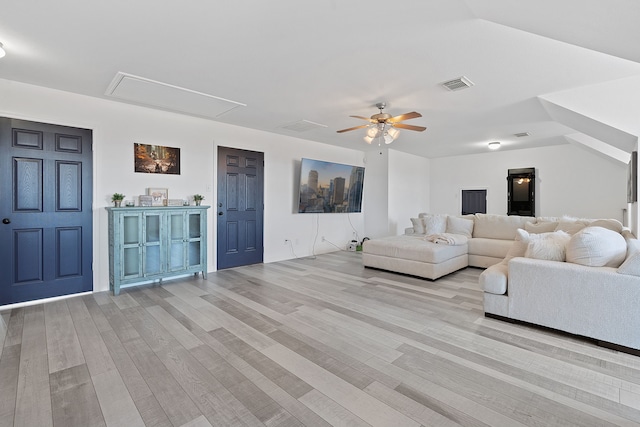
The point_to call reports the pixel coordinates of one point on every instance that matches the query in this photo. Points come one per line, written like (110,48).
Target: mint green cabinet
(147,244)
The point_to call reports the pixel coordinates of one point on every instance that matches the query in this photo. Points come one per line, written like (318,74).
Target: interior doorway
(474,201)
(46,214)
(240,208)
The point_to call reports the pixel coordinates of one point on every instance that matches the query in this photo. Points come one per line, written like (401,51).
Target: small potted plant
(198,198)
(117,199)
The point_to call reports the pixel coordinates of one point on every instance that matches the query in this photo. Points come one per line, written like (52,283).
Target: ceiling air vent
(303,126)
(521,134)
(457,84)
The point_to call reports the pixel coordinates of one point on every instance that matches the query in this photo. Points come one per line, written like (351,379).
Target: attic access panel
(521,192)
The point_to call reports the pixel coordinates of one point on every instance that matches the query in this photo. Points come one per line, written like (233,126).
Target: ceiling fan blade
(353,128)
(409,127)
(406,116)
(364,118)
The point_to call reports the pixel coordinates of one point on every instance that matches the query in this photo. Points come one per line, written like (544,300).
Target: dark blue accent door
(45,210)
(240,209)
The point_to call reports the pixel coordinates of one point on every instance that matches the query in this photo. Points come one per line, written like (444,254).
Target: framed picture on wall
(159,196)
(632,178)
(156,159)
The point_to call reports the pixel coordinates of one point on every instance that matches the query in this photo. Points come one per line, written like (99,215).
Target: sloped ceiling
(534,64)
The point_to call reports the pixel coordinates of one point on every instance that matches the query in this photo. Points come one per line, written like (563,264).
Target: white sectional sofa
(489,238)
(576,276)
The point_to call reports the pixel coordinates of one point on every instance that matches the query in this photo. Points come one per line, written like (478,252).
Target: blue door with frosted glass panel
(45,210)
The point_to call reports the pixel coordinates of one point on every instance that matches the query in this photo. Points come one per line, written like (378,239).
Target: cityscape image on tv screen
(327,187)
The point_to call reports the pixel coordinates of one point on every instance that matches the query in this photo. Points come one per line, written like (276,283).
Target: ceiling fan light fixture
(2,52)
(368,139)
(393,133)
(372,132)
(388,139)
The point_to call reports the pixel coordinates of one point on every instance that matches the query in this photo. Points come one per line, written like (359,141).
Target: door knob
(6,221)
(220,213)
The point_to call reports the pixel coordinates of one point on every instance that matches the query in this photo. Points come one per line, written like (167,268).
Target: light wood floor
(303,342)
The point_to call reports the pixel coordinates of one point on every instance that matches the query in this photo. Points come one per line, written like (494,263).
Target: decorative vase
(117,203)
(198,202)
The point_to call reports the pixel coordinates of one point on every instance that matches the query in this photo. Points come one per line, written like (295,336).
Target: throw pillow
(597,247)
(461,226)
(435,224)
(540,227)
(548,246)
(418,225)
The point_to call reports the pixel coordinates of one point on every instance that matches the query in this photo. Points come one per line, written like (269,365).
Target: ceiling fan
(384,126)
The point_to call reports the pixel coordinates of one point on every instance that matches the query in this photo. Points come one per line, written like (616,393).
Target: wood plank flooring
(306,342)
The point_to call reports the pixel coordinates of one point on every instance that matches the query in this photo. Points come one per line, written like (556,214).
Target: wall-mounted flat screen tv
(327,187)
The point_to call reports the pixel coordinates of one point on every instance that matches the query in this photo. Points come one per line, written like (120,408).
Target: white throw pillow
(434,224)
(418,225)
(597,247)
(540,227)
(457,225)
(548,246)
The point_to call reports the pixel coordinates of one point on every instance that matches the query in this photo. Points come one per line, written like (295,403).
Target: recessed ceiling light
(521,134)
(494,145)
(2,52)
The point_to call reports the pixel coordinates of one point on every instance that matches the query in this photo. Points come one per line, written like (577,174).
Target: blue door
(45,210)
(240,207)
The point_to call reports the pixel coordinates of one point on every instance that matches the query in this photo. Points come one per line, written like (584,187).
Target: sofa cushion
(519,245)
(434,224)
(418,225)
(457,225)
(570,226)
(498,226)
(541,227)
(494,279)
(413,248)
(597,247)
(548,246)
(631,265)
(495,248)
(611,224)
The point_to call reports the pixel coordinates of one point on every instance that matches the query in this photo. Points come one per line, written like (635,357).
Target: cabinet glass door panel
(152,257)
(131,229)
(152,228)
(176,255)
(177,226)
(194,225)
(131,262)
(194,253)
(152,260)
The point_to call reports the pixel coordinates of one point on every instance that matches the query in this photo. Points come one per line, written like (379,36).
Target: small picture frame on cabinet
(159,196)
(144,200)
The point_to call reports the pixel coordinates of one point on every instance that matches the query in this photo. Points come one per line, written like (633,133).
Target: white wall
(569,181)
(118,126)
(375,200)
(409,189)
